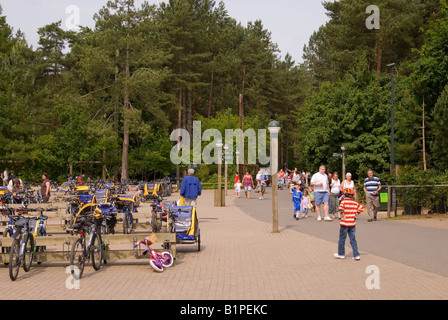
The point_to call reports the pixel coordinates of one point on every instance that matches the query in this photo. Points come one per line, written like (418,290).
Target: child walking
(306,203)
(297,200)
(238,187)
(348,209)
(313,201)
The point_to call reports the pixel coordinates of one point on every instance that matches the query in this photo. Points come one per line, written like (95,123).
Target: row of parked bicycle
(25,196)
(89,245)
(93,213)
(111,205)
(162,187)
(23,229)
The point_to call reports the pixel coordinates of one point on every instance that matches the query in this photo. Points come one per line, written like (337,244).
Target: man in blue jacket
(191,188)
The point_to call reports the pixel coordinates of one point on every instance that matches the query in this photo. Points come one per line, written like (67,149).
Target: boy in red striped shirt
(348,209)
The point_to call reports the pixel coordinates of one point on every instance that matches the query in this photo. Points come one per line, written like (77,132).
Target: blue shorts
(247,188)
(321,197)
(297,206)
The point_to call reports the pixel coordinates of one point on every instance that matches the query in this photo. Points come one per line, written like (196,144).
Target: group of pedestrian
(248,184)
(333,197)
(258,185)
(16,188)
(328,192)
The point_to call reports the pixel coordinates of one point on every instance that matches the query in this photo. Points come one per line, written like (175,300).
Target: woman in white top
(349,184)
(335,185)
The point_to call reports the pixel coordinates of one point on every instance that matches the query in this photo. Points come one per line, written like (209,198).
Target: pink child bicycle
(157,260)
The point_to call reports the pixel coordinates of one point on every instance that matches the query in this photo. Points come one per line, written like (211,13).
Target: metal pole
(225,177)
(219,177)
(274,203)
(274,129)
(392,129)
(218,194)
(274,169)
(241,153)
(389,200)
(227,155)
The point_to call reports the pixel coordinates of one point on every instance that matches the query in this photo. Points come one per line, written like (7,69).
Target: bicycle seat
(20,221)
(17,217)
(80,222)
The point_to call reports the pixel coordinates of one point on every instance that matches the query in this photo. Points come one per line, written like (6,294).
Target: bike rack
(58,240)
(62,246)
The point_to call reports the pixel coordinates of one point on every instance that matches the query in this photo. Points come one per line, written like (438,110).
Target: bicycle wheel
(28,253)
(125,223)
(14,259)
(96,252)
(77,257)
(7,234)
(71,219)
(153,222)
(168,259)
(156,265)
(128,221)
(41,233)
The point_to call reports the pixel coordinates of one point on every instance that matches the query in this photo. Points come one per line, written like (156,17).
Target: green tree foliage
(354,113)
(331,50)
(439,128)
(354,103)
(113,94)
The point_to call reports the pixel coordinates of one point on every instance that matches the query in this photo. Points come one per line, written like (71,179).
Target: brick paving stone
(241,259)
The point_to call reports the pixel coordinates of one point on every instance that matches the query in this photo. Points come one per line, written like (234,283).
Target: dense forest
(105,100)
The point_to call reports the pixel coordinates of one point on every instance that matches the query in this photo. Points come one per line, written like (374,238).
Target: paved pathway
(414,245)
(241,260)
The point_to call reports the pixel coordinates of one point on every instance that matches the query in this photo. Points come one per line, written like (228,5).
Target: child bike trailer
(184,222)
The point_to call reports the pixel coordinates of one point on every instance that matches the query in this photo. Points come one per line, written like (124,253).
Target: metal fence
(413,199)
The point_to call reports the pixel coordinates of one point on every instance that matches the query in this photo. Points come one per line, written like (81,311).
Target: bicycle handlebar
(17,217)
(36,209)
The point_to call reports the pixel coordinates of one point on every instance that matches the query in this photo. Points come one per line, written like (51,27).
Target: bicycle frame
(19,248)
(125,207)
(127,218)
(87,250)
(91,230)
(40,225)
(9,230)
(23,238)
(160,259)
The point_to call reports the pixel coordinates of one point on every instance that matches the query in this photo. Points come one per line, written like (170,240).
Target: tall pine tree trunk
(190,112)
(379,55)
(210,99)
(126,105)
(179,126)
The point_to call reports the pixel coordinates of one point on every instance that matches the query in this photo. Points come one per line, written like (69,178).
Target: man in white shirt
(321,193)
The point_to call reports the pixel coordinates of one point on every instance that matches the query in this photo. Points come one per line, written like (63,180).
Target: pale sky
(291,22)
